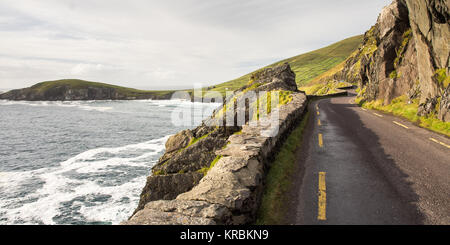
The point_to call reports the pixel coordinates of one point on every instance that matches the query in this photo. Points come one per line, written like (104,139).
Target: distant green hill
(306,66)
(74,89)
(81,84)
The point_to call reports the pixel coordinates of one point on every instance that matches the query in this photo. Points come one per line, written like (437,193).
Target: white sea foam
(59,186)
(177,102)
(91,105)
(83,105)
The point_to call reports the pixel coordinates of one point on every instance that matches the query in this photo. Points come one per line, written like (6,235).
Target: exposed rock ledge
(230,192)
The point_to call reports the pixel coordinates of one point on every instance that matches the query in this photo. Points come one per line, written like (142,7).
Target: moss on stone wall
(205,170)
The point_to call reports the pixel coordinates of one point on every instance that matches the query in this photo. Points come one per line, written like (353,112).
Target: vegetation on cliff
(346,73)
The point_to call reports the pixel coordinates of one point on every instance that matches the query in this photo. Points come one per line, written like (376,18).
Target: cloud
(163,44)
(82,69)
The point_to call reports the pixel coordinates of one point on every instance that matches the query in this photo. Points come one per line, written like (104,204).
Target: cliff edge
(215,174)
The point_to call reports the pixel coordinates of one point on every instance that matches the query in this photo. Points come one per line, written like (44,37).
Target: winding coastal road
(358,166)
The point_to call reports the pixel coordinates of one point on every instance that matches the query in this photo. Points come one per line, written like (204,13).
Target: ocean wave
(94,105)
(177,103)
(89,186)
(83,105)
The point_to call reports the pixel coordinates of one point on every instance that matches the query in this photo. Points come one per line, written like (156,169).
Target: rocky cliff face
(214,174)
(430,23)
(406,53)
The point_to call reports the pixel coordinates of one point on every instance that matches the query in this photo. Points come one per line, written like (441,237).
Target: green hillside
(81,84)
(306,66)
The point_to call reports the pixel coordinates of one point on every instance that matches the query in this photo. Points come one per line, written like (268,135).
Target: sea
(82,162)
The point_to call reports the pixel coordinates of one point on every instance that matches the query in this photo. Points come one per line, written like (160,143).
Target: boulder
(277,78)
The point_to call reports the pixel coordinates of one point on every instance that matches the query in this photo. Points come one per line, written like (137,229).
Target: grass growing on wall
(263,104)
(279,179)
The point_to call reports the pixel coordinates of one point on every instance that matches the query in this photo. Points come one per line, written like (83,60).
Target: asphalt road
(359,166)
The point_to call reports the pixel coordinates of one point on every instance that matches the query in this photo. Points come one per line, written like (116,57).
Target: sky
(166,44)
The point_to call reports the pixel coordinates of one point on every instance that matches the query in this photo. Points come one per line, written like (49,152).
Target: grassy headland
(81,84)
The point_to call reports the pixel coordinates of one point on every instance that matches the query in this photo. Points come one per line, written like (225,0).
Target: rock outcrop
(232,161)
(277,78)
(406,53)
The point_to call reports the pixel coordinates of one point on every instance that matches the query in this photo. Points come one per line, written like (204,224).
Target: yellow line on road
(320,140)
(378,115)
(401,125)
(318,122)
(318,113)
(322,215)
(441,143)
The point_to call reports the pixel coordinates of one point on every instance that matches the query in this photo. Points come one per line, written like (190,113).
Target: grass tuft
(442,78)
(205,170)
